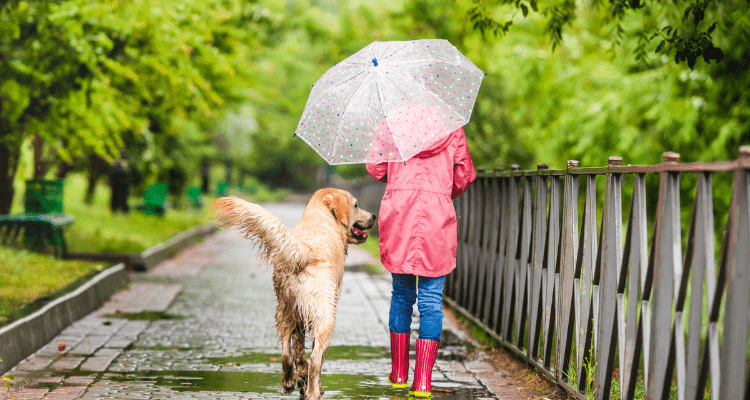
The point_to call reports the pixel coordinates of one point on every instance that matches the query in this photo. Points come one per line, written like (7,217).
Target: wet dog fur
(308,266)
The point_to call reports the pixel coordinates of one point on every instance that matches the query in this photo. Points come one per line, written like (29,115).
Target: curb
(150,257)
(27,335)
(165,250)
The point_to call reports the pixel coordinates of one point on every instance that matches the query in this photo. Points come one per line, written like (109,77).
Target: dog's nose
(374,217)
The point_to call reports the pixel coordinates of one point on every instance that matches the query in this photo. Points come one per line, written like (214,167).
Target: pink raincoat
(417,219)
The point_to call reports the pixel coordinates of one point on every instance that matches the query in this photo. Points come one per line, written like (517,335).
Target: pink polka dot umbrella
(389,101)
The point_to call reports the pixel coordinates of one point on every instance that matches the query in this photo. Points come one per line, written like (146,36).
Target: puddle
(145,315)
(337,386)
(333,353)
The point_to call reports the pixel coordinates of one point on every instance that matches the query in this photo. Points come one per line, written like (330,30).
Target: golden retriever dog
(308,266)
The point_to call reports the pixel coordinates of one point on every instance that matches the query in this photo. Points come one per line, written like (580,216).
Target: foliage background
(226,81)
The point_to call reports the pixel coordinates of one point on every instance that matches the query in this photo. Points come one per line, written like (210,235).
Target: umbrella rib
(343,116)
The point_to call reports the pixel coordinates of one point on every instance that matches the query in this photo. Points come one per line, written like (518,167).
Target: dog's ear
(339,206)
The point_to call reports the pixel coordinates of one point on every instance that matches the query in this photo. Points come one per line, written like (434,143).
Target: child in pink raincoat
(418,239)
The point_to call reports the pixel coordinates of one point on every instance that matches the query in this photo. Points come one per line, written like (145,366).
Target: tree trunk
(97,168)
(64,167)
(41,165)
(8,162)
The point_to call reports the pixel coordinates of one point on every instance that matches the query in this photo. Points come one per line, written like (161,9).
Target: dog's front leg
(322,338)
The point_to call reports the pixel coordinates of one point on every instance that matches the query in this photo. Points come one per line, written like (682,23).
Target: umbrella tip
(375,61)
(295,134)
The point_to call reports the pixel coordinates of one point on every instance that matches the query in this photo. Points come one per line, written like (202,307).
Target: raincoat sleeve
(378,171)
(463,167)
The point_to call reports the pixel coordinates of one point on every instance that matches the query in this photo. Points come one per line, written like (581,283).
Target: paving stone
(478,367)
(80,380)
(66,393)
(23,394)
(35,363)
(67,363)
(101,360)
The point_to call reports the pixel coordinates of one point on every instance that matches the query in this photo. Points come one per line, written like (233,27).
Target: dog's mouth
(358,234)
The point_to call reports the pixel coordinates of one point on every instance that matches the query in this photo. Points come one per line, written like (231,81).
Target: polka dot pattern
(389,101)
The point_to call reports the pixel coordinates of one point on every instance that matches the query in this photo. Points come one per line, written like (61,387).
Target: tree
(85,75)
(685,29)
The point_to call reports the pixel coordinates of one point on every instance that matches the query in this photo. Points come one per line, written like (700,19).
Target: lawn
(28,280)
(26,277)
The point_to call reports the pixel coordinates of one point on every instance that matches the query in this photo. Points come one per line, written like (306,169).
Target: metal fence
(582,304)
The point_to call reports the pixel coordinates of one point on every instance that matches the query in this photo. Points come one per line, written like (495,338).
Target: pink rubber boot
(426,354)
(399,360)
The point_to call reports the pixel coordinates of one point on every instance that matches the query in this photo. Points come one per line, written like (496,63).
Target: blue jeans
(430,305)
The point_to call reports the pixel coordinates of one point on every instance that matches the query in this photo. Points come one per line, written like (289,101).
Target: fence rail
(554,278)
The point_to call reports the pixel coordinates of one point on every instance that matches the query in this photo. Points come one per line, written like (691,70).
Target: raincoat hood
(436,147)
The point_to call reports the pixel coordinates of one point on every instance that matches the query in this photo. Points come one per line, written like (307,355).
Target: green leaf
(524,10)
(660,46)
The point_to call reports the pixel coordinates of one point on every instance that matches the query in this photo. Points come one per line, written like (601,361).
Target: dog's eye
(356,204)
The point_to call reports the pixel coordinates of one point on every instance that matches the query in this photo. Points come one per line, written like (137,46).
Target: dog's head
(345,209)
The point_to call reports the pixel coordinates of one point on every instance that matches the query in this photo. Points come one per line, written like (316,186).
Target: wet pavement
(201,325)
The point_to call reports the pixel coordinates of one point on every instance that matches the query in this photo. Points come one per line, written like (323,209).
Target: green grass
(28,280)
(26,277)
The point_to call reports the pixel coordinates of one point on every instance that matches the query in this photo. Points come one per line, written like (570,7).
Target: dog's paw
(288,387)
(313,396)
(302,381)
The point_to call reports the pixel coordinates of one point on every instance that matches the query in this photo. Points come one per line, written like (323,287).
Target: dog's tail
(277,245)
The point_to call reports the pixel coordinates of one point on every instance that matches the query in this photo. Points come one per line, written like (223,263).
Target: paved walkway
(201,326)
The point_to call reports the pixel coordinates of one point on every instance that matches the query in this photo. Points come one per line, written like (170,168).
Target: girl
(418,239)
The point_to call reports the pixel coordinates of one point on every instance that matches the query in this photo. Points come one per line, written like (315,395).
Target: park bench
(154,199)
(43,222)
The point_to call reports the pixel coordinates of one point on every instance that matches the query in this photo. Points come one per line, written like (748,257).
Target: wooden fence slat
(511,262)
(523,267)
(734,342)
(667,266)
(630,325)
(540,232)
(493,249)
(549,270)
(502,257)
(583,285)
(611,263)
(567,272)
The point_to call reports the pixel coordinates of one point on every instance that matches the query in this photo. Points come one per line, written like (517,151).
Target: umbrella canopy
(389,101)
